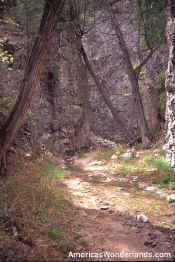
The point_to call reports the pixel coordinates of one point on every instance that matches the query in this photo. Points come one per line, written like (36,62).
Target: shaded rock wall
(103,50)
(49,114)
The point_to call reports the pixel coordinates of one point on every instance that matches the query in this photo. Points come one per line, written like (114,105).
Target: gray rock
(28,155)
(96,163)
(142,185)
(113,196)
(164,147)
(135,209)
(156,154)
(127,155)
(95,168)
(171,198)
(104,207)
(137,155)
(120,188)
(161,194)
(49,154)
(151,170)
(150,188)
(156,151)
(126,194)
(114,157)
(142,218)
(108,179)
(76,181)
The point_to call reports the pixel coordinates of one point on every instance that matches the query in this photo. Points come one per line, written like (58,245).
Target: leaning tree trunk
(102,89)
(133,77)
(32,74)
(170,84)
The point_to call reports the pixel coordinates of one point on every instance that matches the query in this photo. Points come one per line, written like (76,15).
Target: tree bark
(133,77)
(32,74)
(102,89)
(73,83)
(170,85)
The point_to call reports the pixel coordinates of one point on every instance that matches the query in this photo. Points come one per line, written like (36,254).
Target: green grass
(149,192)
(81,154)
(127,166)
(119,142)
(158,161)
(165,172)
(162,180)
(172,185)
(78,227)
(49,169)
(162,176)
(53,231)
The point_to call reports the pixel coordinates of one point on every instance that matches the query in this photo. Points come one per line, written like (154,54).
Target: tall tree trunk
(32,74)
(102,89)
(170,84)
(73,83)
(133,77)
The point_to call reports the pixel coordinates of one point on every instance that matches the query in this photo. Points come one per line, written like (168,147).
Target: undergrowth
(37,204)
(162,174)
(165,173)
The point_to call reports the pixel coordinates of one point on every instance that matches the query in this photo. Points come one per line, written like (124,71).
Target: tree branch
(138,68)
(102,89)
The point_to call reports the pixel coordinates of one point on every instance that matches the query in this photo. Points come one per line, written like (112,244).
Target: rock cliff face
(103,50)
(61,103)
(65,96)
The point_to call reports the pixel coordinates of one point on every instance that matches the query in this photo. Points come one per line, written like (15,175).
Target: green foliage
(6,104)
(161,180)
(153,21)
(53,231)
(166,172)
(172,185)
(5,57)
(10,21)
(157,161)
(163,99)
(155,132)
(160,84)
(160,81)
(119,142)
(81,154)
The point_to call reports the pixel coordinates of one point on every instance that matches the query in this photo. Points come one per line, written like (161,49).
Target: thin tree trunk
(102,89)
(133,77)
(170,85)
(32,74)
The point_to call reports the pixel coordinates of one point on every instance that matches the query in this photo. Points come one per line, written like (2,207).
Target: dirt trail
(106,223)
